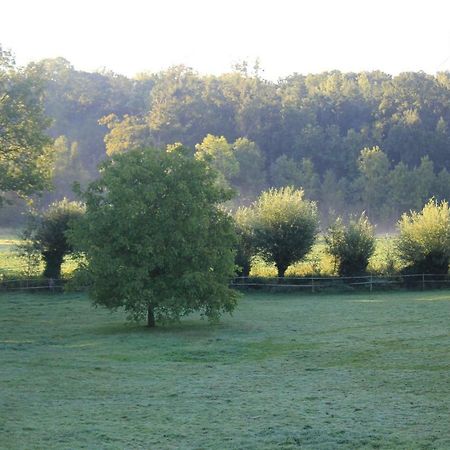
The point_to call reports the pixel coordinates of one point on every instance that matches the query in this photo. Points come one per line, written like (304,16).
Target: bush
(351,245)
(245,246)
(46,235)
(285,226)
(423,244)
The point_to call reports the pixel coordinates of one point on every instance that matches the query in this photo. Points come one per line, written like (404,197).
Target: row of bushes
(281,228)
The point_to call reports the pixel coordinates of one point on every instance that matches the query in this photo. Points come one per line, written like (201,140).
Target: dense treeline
(353,141)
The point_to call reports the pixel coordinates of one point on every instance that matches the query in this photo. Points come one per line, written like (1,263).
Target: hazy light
(286,35)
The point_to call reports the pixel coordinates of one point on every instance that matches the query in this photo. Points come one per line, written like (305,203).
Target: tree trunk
(53,262)
(150,317)
(281,269)
(245,270)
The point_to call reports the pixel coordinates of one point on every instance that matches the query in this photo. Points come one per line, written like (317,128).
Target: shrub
(351,245)
(246,245)
(46,234)
(423,244)
(285,226)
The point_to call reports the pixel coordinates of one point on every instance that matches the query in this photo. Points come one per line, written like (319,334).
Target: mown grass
(286,371)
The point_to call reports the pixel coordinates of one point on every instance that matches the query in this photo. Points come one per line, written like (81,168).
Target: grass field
(286,371)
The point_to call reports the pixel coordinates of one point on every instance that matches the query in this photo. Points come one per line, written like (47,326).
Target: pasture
(286,371)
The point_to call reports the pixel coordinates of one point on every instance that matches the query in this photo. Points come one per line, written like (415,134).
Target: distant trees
(285,225)
(423,244)
(25,152)
(126,134)
(240,164)
(155,240)
(305,130)
(351,245)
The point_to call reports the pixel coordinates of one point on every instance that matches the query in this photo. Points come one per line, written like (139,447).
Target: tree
(332,195)
(423,244)
(218,154)
(285,172)
(155,239)
(374,167)
(285,226)
(351,245)
(47,234)
(24,148)
(128,133)
(243,219)
(250,178)
(68,169)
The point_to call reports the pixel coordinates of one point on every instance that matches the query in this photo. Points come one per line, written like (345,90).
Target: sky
(286,36)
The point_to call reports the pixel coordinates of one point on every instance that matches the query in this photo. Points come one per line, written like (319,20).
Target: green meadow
(285,371)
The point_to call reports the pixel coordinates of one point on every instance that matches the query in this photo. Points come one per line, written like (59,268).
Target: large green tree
(156,241)
(24,148)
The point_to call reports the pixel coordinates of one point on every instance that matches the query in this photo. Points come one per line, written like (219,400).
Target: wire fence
(307,284)
(32,284)
(366,282)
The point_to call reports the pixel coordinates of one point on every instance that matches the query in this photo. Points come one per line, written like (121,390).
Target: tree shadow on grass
(188,327)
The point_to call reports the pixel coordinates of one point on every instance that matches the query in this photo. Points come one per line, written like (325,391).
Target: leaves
(285,226)
(424,240)
(154,236)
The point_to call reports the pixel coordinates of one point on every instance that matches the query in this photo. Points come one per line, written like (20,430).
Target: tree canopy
(47,234)
(155,239)
(304,130)
(25,163)
(423,244)
(285,226)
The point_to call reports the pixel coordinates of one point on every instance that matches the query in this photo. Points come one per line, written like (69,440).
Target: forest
(354,142)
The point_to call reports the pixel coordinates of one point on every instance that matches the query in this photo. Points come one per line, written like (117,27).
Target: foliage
(351,245)
(424,241)
(251,177)
(126,134)
(374,168)
(285,226)
(243,219)
(218,154)
(155,240)
(307,130)
(25,152)
(47,235)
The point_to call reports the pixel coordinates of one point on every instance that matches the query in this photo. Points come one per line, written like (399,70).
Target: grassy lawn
(286,371)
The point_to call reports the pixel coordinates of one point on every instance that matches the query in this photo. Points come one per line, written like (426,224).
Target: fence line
(314,284)
(32,284)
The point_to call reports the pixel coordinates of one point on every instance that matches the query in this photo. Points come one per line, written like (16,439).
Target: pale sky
(305,36)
